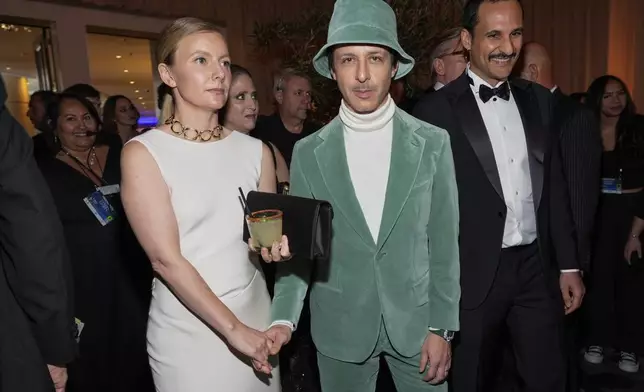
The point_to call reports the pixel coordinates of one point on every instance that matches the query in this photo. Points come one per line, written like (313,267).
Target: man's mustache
(502,56)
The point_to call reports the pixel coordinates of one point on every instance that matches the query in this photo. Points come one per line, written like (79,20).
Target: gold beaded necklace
(194,135)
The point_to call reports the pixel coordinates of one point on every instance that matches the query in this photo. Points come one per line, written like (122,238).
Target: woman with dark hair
(120,117)
(615,292)
(83,176)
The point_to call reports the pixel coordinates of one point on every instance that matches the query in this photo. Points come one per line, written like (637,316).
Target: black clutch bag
(306,222)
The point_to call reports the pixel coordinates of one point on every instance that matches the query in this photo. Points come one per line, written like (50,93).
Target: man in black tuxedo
(518,254)
(581,150)
(36,323)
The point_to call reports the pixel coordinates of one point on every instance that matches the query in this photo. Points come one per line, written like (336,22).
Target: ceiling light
(8,27)
(136,91)
(118,56)
(126,71)
(8,68)
(140,97)
(131,81)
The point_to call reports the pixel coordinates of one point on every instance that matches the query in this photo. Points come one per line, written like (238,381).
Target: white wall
(69,25)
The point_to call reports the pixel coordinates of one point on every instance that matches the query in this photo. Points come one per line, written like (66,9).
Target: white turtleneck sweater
(367,142)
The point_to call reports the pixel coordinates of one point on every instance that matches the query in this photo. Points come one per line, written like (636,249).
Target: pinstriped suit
(581,157)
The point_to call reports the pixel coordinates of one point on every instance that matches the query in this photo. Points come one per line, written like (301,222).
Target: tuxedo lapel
(332,160)
(406,154)
(535,137)
(473,127)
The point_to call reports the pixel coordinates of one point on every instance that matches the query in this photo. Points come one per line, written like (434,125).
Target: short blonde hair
(176,31)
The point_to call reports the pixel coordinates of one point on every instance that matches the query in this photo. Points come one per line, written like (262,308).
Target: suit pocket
(421,289)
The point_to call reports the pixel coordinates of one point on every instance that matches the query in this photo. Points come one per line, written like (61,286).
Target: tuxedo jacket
(408,278)
(482,206)
(36,322)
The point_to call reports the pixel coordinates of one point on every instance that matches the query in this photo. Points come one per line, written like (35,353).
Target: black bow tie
(503,92)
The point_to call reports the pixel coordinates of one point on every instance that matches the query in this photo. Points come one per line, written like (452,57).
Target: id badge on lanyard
(612,186)
(100,206)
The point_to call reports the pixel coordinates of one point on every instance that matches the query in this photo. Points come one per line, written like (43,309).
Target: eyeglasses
(462,52)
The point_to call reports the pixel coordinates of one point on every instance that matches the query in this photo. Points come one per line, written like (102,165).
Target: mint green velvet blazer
(409,278)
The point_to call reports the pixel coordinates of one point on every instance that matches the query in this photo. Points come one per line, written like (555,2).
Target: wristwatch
(443,333)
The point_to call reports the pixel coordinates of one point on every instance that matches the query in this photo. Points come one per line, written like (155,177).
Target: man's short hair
(283,76)
(443,47)
(46,96)
(471,13)
(83,90)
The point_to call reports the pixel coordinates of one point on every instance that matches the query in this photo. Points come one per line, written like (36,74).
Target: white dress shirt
(438,86)
(505,129)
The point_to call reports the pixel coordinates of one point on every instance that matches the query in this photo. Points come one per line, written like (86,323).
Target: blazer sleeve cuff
(56,343)
(283,322)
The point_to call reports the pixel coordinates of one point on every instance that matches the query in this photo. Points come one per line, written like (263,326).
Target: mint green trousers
(340,376)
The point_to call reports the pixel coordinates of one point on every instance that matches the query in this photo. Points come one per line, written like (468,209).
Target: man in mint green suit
(391,286)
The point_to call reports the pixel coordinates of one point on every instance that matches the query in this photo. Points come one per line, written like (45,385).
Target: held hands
(58,377)
(280,335)
(279,252)
(436,354)
(254,344)
(572,290)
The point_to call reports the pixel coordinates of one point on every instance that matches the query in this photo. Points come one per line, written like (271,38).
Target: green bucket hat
(370,22)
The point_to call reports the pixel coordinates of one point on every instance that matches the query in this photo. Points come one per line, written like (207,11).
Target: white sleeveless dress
(185,354)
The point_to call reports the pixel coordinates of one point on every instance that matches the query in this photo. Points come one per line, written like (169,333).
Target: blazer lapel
(406,154)
(535,134)
(474,129)
(332,160)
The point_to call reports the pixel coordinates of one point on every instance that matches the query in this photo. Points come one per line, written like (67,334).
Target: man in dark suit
(36,323)
(581,146)
(517,248)
(581,149)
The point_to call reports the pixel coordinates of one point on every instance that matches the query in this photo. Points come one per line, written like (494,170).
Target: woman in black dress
(109,303)
(615,294)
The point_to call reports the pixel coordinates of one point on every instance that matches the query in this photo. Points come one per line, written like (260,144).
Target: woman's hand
(254,344)
(279,252)
(632,245)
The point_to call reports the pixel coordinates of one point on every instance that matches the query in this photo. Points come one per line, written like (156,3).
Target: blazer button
(500,215)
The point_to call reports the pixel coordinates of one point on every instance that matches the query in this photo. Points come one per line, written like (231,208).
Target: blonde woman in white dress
(180,191)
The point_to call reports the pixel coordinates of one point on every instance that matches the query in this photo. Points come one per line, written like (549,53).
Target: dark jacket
(36,323)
